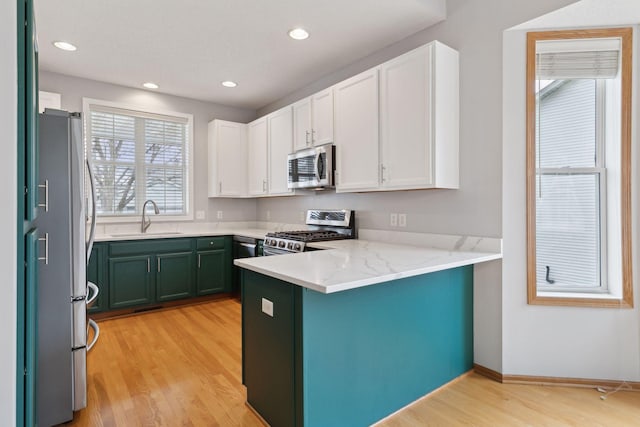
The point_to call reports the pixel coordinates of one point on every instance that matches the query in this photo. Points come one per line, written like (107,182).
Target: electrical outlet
(393,219)
(219,214)
(199,214)
(267,307)
(402,220)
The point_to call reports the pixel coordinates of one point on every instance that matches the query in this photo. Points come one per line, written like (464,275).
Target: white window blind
(577,59)
(569,186)
(138,156)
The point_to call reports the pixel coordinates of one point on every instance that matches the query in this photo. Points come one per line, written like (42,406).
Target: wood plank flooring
(475,400)
(177,367)
(182,367)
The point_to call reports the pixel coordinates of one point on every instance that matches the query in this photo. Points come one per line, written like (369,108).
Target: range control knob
(290,245)
(281,244)
(297,247)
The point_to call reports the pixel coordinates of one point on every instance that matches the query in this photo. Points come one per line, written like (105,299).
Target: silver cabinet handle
(96,333)
(382,170)
(313,138)
(198,260)
(45,205)
(220,187)
(45,239)
(159,264)
(264,185)
(148,265)
(306,138)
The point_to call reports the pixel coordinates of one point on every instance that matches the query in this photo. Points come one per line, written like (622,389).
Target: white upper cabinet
(302,124)
(322,117)
(227,159)
(395,127)
(280,136)
(419,119)
(414,145)
(257,157)
(313,120)
(356,132)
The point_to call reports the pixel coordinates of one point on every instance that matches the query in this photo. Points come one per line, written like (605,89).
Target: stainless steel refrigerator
(63,291)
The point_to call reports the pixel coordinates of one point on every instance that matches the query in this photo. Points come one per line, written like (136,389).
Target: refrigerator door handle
(96,329)
(45,239)
(92,232)
(95,291)
(45,205)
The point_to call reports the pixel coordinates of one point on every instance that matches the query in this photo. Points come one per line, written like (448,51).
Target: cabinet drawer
(149,246)
(210,242)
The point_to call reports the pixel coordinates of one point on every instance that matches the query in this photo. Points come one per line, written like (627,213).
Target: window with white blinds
(137,156)
(578,167)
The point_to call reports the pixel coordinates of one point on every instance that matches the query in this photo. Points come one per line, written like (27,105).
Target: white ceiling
(189,46)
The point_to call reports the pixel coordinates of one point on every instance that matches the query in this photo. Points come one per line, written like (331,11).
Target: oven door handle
(273,251)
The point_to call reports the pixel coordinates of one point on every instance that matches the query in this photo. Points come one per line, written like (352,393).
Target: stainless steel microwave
(312,167)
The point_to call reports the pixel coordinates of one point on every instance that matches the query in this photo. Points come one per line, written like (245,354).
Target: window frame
(138,110)
(581,297)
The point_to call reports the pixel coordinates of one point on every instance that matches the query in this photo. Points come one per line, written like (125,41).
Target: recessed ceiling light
(65,46)
(150,85)
(298,34)
(229,83)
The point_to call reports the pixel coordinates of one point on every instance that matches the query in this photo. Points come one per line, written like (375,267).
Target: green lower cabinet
(268,347)
(174,276)
(130,281)
(145,272)
(212,272)
(97,274)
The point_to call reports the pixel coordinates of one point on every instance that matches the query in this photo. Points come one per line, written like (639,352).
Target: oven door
(267,251)
(312,167)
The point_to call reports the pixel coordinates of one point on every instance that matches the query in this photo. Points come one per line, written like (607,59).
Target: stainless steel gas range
(324,225)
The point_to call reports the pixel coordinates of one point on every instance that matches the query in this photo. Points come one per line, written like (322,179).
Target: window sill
(576,299)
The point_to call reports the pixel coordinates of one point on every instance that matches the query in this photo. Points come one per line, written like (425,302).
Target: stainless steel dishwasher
(244,247)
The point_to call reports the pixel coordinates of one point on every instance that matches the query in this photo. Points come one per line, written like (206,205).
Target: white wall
(559,341)
(8,215)
(73,89)
(475,29)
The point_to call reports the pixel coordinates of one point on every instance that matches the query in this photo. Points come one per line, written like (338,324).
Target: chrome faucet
(147,222)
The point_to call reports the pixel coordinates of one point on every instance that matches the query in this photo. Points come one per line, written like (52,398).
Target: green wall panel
(370,351)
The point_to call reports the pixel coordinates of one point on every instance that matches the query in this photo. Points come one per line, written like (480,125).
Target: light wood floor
(182,367)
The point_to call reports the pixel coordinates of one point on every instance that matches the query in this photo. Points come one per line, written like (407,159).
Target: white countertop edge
(255,233)
(474,258)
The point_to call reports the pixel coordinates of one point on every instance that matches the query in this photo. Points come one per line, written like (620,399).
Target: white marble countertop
(378,256)
(350,264)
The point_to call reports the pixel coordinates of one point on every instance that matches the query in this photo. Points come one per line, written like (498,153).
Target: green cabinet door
(268,347)
(174,276)
(212,272)
(130,281)
(96,273)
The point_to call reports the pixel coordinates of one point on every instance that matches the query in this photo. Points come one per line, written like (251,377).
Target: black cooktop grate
(309,235)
